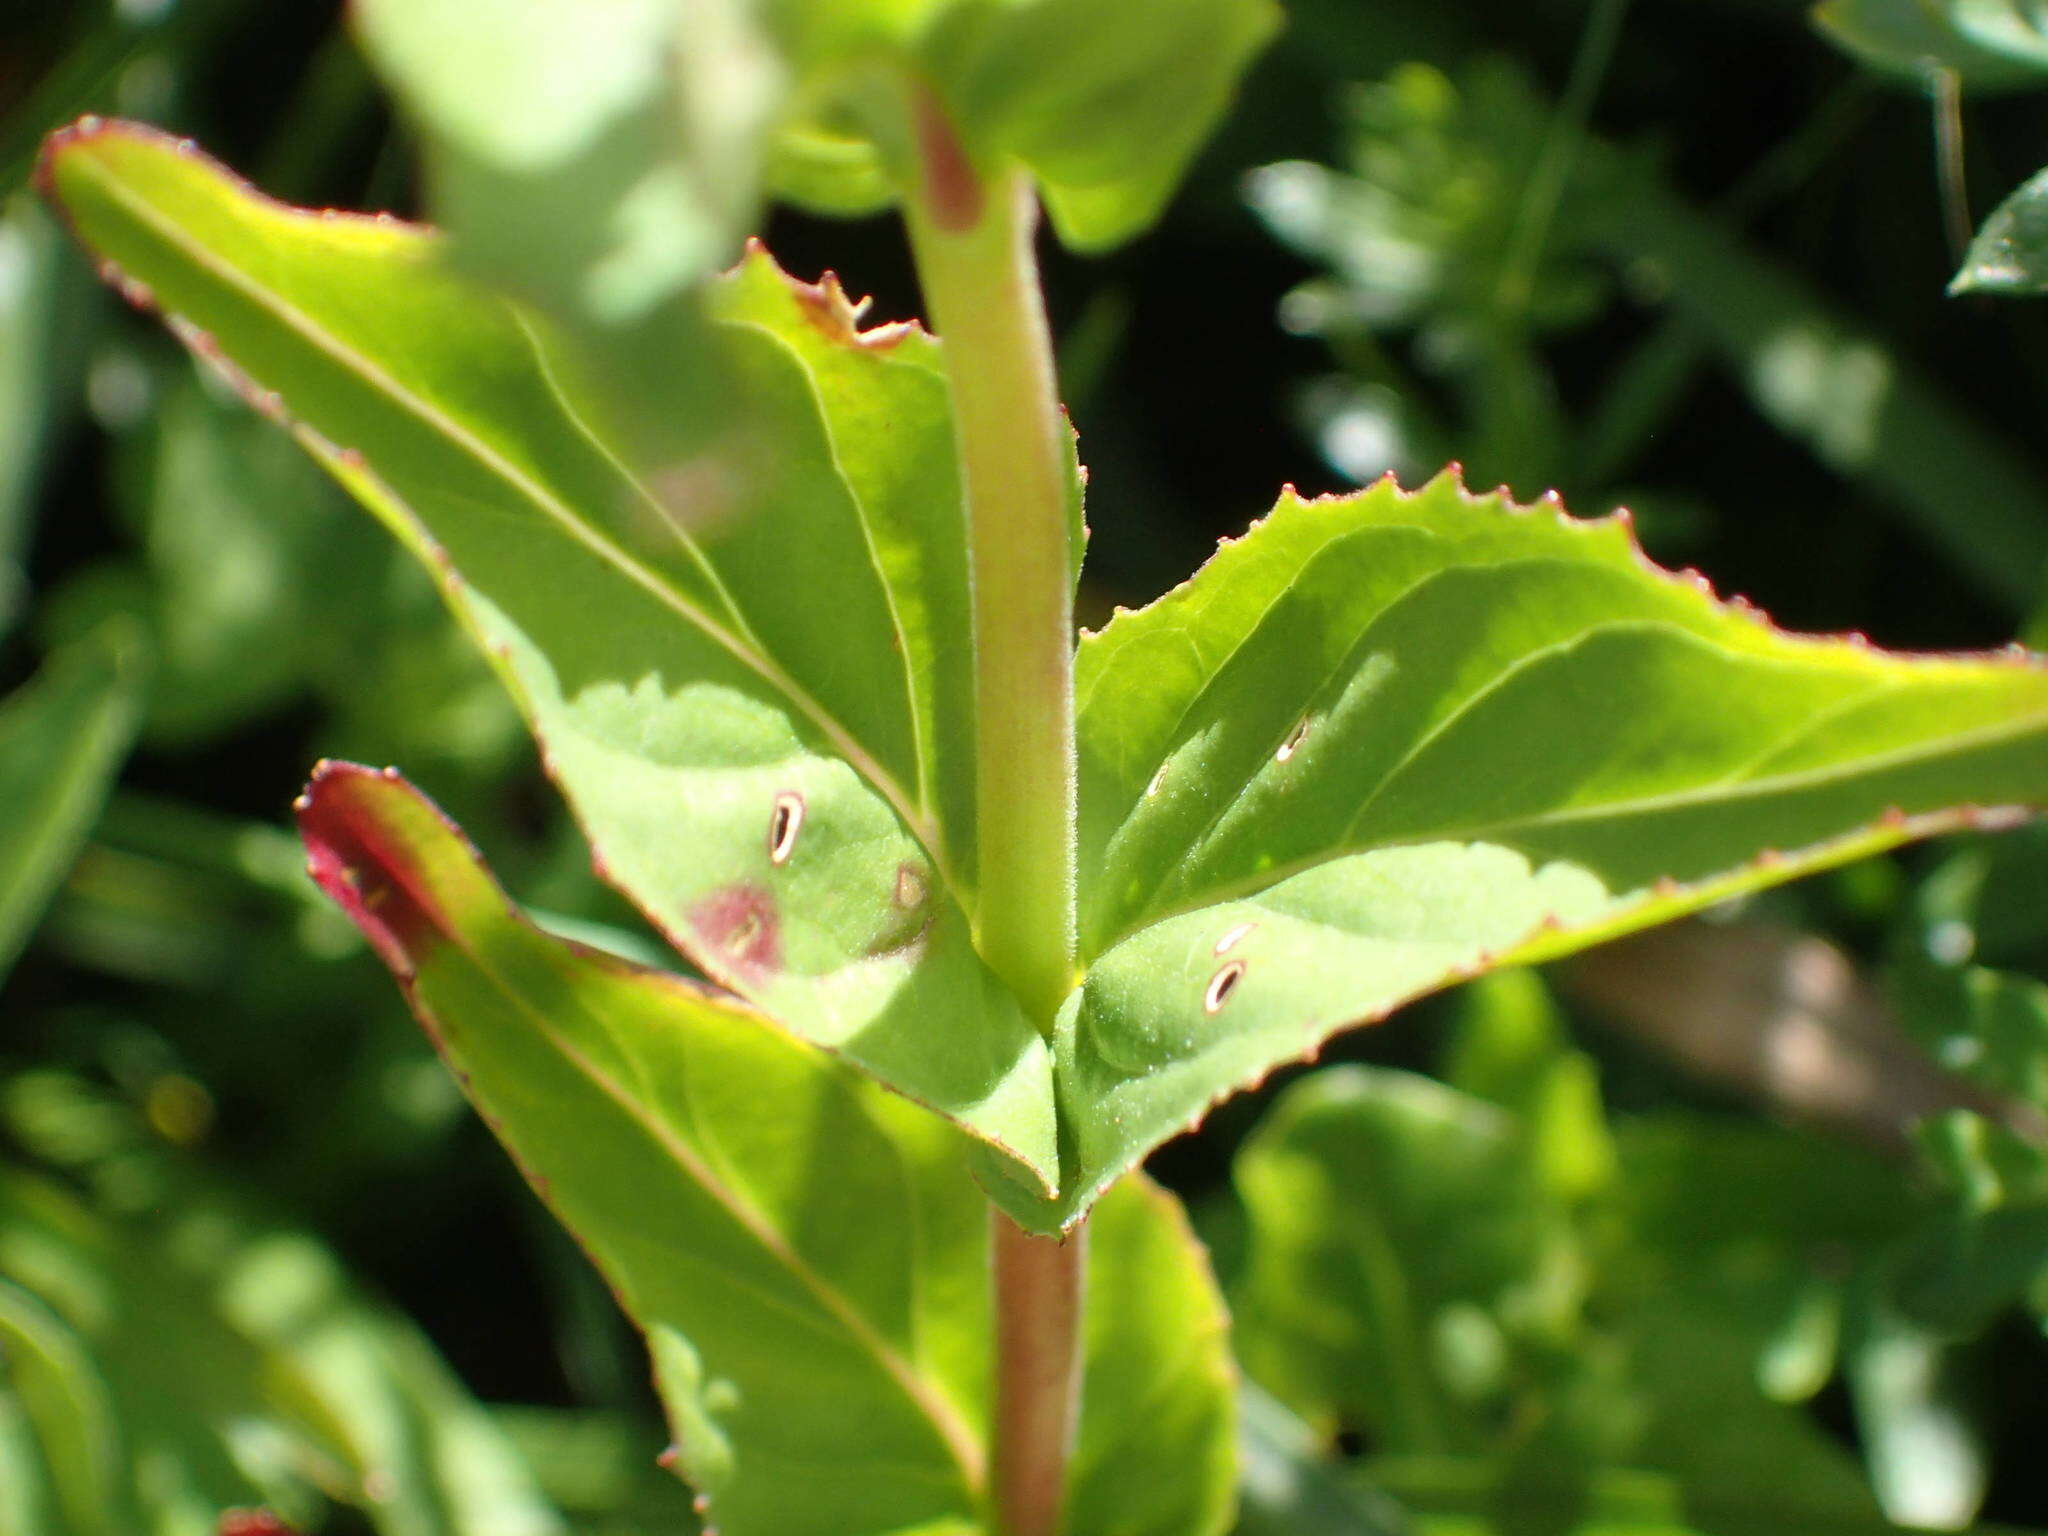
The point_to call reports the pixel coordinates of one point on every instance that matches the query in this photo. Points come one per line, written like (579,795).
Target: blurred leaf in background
(1606,1296)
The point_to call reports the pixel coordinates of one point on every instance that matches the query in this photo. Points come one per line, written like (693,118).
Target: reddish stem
(1038,1292)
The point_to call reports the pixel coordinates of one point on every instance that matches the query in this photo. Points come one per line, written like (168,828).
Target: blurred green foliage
(252,1250)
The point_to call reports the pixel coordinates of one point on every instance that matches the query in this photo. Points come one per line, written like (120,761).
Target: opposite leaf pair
(1382,743)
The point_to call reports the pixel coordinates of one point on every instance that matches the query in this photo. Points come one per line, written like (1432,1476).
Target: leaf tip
(55,143)
(349,858)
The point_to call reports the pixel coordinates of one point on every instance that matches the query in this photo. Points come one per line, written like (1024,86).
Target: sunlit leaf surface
(753,688)
(804,1252)
(1388,740)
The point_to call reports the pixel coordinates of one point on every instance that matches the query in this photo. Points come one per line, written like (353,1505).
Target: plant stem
(1039,1286)
(974,257)
(972,237)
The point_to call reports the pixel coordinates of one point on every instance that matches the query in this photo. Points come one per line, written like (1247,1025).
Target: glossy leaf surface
(2010,253)
(751,690)
(62,738)
(1387,740)
(812,1282)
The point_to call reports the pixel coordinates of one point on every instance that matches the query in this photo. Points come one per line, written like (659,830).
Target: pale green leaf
(62,737)
(1988,44)
(749,687)
(605,162)
(2010,253)
(600,161)
(1388,740)
(812,1281)
(1105,103)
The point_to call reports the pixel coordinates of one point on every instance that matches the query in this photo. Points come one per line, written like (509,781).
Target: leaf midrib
(1720,792)
(351,360)
(952,1431)
(919,747)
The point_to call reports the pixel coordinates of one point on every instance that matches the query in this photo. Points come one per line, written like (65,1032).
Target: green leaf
(1105,104)
(47,309)
(812,1283)
(1414,1277)
(1989,44)
(2010,253)
(601,162)
(798,1341)
(1389,740)
(1155,1452)
(606,163)
(749,689)
(1358,1306)
(62,738)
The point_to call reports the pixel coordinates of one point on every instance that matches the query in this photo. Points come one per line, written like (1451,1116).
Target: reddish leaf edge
(363,875)
(824,302)
(1617,524)
(1665,900)
(357,862)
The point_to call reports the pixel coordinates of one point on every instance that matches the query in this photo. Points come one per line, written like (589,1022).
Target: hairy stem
(972,237)
(1038,1373)
(975,260)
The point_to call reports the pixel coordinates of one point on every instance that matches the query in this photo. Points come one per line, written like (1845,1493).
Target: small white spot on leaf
(1233,938)
(783,826)
(1221,986)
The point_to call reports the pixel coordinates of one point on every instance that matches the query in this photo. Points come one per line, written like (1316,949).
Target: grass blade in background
(62,738)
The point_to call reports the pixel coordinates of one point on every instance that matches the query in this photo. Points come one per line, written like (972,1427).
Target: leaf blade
(590,1068)
(62,738)
(685,704)
(2009,255)
(847,1220)
(1391,740)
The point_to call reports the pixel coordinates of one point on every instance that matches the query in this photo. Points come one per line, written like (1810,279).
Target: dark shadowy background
(185,978)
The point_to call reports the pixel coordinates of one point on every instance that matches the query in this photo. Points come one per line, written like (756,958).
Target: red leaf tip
(348,857)
(252,1522)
